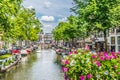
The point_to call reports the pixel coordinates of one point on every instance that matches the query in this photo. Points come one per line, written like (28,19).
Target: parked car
(3,51)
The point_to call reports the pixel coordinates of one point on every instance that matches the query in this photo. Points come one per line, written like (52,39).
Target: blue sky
(50,12)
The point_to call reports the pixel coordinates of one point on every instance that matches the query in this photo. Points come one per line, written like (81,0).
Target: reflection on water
(38,66)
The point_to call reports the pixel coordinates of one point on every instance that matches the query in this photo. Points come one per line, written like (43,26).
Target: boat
(38,51)
(23,53)
(6,68)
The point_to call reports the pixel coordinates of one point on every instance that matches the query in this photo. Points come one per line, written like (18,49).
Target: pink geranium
(64,69)
(99,53)
(105,54)
(93,56)
(102,58)
(115,67)
(82,77)
(119,73)
(112,53)
(113,56)
(66,62)
(98,63)
(108,57)
(89,76)
(75,52)
(87,47)
(119,52)
(63,61)
(70,52)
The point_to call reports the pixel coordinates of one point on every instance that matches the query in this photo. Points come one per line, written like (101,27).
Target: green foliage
(8,9)
(5,56)
(66,30)
(100,15)
(97,16)
(17,22)
(99,66)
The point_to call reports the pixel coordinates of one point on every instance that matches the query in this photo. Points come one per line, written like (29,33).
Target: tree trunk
(83,42)
(73,45)
(20,43)
(105,38)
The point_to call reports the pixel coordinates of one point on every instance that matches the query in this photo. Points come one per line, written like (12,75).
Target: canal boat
(23,52)
(38,51)
(8,63)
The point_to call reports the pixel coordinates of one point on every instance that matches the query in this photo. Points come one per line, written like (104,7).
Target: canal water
(38,66)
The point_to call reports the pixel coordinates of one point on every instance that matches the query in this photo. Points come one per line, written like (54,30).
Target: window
(112,48)
(112,30)
(112,40)
(118,40)
(118,48)
(118,30)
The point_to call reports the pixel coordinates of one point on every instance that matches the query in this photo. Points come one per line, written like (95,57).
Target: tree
(97,14)
(18,23)
(67,31)
(8,9)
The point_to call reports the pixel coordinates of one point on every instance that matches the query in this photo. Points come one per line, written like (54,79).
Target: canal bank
(38,66)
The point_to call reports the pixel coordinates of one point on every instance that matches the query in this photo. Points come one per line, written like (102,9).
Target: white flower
(106,72)
(82,61)
(98,76)
(65,57)
(72,62)
(87,60)
(100,67)
(75,56)
(111,74)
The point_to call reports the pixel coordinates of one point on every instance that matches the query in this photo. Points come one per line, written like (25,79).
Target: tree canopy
(91,16)
(18,22)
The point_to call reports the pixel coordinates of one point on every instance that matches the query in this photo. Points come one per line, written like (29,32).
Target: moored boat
(8,63)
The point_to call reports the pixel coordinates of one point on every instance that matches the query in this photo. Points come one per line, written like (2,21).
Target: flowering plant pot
(84,65)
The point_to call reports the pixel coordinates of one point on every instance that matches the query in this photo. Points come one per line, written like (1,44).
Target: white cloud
(47,4)
(63,19)
(47,18)
(30,7)
(47,25)
(47,28)
(50,7)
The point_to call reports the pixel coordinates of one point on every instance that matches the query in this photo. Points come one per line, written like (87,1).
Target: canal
(38,66)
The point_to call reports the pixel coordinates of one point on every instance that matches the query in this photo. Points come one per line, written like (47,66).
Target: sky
(50,12)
